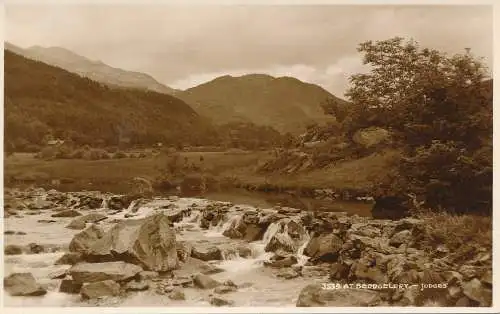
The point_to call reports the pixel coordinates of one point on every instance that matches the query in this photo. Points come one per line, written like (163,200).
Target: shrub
(77,154)
(119,155)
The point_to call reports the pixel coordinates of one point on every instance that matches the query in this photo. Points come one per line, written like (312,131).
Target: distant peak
(257,76)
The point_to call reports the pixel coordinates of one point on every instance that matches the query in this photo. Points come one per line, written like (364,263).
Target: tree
(437,107)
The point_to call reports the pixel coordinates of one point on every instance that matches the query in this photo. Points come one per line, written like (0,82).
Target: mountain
(285,103)
(94,70)
(41,99)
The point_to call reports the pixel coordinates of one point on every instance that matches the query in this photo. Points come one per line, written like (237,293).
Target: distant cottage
(55,142)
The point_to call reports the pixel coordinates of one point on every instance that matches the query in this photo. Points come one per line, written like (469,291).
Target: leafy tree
(440,111)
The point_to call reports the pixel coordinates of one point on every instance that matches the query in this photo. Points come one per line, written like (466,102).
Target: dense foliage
(439,107)
(44,102)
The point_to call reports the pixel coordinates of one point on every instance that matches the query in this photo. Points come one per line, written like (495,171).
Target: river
(264,289)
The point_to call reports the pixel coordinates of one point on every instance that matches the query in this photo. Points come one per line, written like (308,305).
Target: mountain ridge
(285,103)
(55,101)
(93,69)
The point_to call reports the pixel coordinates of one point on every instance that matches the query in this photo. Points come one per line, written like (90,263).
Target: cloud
(183,45)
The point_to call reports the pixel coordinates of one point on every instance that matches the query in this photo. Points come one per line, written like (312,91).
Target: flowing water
(264,288)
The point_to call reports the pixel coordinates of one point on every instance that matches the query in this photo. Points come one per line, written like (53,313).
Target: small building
(56,142)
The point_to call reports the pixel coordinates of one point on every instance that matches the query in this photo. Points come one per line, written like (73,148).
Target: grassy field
(116,174)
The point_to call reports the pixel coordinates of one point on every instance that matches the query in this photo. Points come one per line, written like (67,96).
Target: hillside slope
(41,99)
(284,103)
(94,70)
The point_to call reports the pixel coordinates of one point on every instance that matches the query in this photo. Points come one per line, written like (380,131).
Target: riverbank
(227,254)
(346,180)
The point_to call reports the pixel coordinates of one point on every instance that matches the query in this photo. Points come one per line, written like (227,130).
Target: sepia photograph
(225,156)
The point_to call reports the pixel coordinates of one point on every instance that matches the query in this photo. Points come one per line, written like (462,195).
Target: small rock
(287,273)
(463,302)
(401,237)
(22,284)
(207,253)
(339,271)
(205,282)
(12,249)
(487,278)
(77,224)
(230,283)
(244,251)
(35,248)
(177,294)
(136,286)
(281,262)
(144,275)
(99,289)
(182,281)
(218,301)
(454,291)
(66,213)
(245,285)
(46,221)
(60,274)
(225,289)
(70,286)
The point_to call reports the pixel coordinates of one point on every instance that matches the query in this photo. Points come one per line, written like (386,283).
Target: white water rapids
(264,289)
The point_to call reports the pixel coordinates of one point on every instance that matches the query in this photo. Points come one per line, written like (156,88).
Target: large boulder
(93,272)
(289,235)
(325,247)
(315,295)
(148,242)
(372,136)
(99,289)
(477,291)
(82,241)
(22,284)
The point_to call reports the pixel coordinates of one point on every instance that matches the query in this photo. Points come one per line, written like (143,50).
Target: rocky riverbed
(98,249)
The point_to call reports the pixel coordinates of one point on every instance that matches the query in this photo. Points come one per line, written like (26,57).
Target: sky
(183,46)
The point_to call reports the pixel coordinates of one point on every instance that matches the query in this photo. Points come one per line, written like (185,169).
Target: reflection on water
(268,200)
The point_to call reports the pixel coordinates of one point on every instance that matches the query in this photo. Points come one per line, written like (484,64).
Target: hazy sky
(182,46)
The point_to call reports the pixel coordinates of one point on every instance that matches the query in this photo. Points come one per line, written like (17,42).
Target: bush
(77,154)
(119,155)
(439,108)
(95,154)
(112,150)
(47,153)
